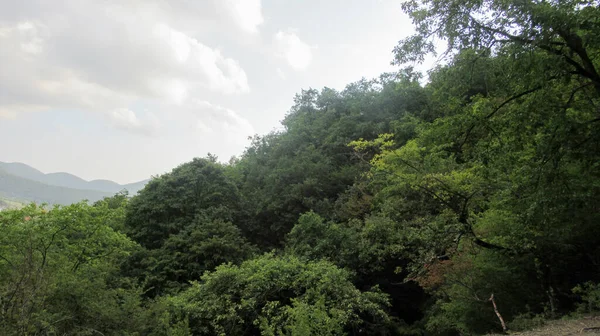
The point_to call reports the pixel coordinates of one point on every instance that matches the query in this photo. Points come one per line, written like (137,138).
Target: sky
(127,89)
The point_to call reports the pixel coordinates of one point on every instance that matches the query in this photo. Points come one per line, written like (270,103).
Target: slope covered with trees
(464,205)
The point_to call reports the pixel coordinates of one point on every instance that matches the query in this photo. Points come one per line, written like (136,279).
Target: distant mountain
(67,180)
(134,187)
(63,180)
(22,170)
(23,189)
(105,185)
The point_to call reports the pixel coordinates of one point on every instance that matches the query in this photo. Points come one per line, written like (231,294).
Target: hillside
(6,204)
(66,180)
(464,203)
(19,188)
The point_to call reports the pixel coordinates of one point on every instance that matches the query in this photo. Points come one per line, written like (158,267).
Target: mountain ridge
(26,190)
(68,180)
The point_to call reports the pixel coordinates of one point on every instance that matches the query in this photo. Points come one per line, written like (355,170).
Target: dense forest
(461,201)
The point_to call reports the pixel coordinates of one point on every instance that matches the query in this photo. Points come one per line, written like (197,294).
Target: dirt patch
(589,325)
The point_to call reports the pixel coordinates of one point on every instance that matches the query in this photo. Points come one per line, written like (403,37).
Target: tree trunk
(504,328)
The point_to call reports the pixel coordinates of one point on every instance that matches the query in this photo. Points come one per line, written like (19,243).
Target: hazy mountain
(105,185)
(67,180)
(23,189)
(133,188)
(22,170)
(64,180)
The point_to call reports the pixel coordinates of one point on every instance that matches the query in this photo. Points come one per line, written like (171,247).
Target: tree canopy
(461,202)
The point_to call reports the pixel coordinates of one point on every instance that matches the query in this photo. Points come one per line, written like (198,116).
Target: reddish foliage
(434,274)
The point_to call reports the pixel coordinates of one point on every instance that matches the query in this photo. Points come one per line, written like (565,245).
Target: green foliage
(506,169)
(315,239)
(464,284)
(200,247)
(392,207)
(527,321)
(57,272)
(363,246)
(590,295)
(184,222)
(167,203)
(10,204)
(564,32)
(309,165)
(372,248)
(280,296)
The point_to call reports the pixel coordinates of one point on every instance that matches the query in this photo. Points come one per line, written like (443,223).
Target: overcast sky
(126,89)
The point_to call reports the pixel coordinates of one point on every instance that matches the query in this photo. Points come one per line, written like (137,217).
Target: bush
(590,295)
(526,321)
(279,295)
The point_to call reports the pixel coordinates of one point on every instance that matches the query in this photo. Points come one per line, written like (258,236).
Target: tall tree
(185,222)
(566,32)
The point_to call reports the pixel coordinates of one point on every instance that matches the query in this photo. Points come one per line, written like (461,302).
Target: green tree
(308,166)
(505,171)
(184,221)
(58,273)
(168,203)
(372,248)
(280,296)
(564,32)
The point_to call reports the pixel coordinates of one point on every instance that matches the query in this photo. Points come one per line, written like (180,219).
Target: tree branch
(515,97)
(572,41)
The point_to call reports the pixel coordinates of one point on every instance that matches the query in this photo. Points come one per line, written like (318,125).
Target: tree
(280,296)
(566,32)
(168,203)
(184,221)
(58,272)
(203,245)
(505,171)
(309,165)
(373,249)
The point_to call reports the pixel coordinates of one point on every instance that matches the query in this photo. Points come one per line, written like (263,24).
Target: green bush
(590,295)
(526,321)
(280,296)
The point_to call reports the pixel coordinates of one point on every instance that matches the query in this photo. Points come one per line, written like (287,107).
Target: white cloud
(247,14)
(7,113)
(211,118)
(126,119)
(31,42)
(297,52)
(203,128)
(201,64)
(100,56)
(280,73)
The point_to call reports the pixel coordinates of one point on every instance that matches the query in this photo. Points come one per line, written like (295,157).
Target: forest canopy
(396,206)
